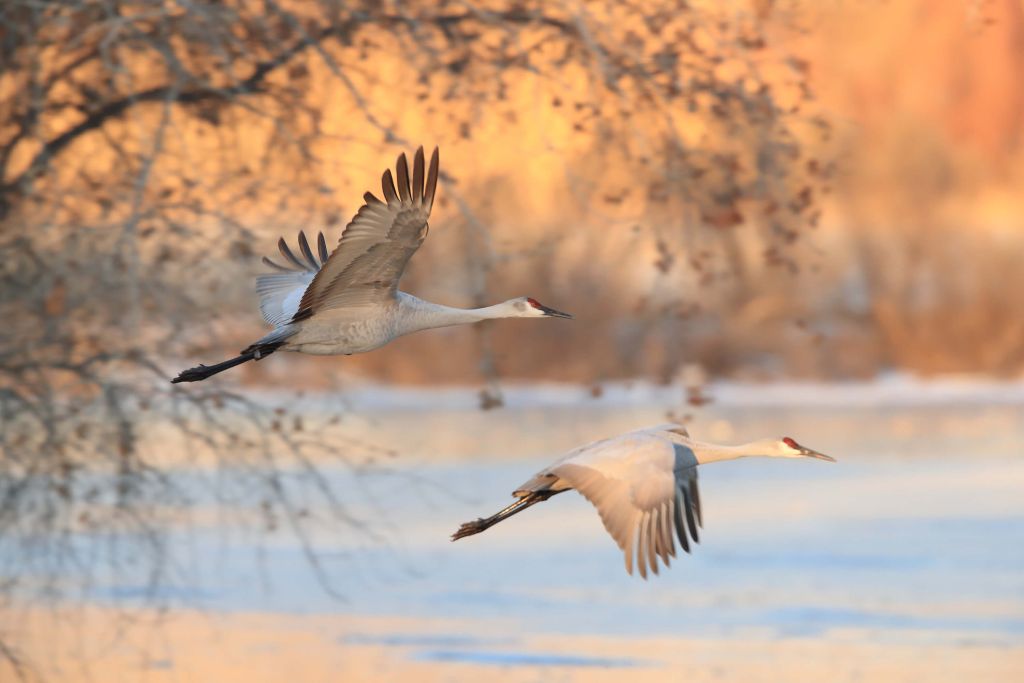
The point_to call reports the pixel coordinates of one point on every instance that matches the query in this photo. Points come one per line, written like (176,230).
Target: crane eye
(789,442)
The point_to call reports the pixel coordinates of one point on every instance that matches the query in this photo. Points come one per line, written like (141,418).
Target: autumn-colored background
(910,266)
(869,222)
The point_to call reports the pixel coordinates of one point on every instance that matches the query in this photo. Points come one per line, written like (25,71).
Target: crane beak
(552,313)
(807,452)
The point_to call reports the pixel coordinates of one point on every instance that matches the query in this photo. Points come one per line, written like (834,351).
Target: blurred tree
(143,142)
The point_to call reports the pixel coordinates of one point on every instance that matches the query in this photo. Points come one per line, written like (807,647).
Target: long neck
(710,452)
(418,314)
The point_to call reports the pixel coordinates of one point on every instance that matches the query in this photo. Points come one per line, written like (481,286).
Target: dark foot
(196,374)
(470,528)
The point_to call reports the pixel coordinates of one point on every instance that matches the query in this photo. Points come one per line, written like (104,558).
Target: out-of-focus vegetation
(756,189)
(607,156)
(928,216)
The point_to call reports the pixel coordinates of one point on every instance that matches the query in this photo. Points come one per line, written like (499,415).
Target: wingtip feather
(283,247)
(691,522)
(276,266)
(387,183)
(431,187)
(306,251)
(321,245)
(402,168)
(679,522)
(417,175)
(652,542)
(641,546)
(695,495)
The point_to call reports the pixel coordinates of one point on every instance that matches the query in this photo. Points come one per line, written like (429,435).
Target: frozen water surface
(914,540)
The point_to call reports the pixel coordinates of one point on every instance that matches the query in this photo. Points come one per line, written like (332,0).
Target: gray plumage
(644,486)
(348,302)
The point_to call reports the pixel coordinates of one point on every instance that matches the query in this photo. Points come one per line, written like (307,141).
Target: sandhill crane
(644,486)
(349,302)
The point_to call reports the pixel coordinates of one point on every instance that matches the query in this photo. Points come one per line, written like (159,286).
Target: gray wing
(281,292)
(642,519)
(379,241)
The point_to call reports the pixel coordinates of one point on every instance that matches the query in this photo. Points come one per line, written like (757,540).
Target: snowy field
(902,562)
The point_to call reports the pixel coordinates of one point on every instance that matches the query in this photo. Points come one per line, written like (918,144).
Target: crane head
(791,449)
(534,309)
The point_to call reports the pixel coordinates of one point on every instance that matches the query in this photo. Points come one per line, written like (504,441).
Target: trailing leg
(476,526)
(201,372)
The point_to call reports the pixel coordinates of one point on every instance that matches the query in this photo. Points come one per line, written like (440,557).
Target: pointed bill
(807,452)
(552,313)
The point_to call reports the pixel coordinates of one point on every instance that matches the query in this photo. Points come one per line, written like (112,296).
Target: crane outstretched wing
(281,292)
(379,241)
(641,511)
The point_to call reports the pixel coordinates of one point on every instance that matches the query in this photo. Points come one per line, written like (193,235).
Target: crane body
(348,301)
(644,486)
